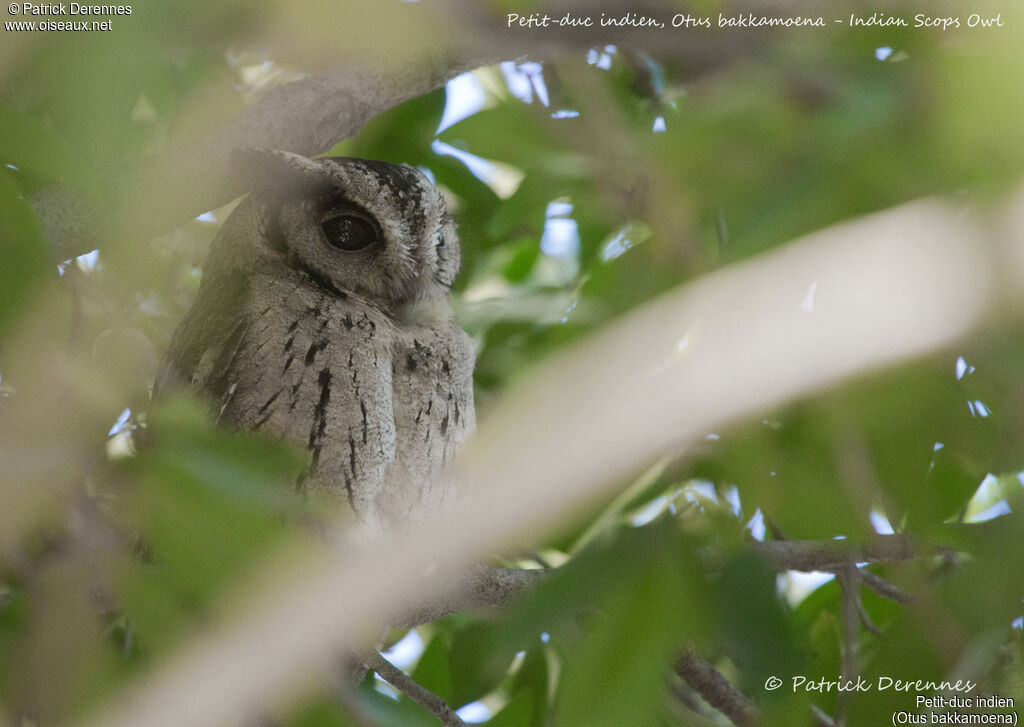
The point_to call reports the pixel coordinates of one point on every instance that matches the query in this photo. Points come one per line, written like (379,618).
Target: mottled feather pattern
(347,350)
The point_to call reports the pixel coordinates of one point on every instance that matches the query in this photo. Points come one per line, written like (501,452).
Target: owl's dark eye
(350,232)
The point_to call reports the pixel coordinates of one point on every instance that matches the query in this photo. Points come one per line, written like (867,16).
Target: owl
(323,318)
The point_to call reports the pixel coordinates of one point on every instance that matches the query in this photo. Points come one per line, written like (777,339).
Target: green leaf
(207,505)
(26,260)
(752,624)
(486,132)
(615,677)
(320,712)
(401,135)
(33,148)
(480,656)
(516,713)
(612,673)
(433,670)
(524,255)
(387,712)
(532,682)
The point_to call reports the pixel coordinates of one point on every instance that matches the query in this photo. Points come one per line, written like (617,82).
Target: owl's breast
(380,406)
(315,369)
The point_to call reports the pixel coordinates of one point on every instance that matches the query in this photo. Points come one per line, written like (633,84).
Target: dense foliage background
(583,186)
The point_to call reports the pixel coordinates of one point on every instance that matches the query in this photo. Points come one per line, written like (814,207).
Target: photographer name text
(57,9)
(882,684)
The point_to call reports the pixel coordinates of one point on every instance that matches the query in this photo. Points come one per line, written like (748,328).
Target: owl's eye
(350,232)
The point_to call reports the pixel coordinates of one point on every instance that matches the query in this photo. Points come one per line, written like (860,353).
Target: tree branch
(478,586)
(482,586)
(849,587)
(830,555)
(821,719)
(416,692)
(715,689)
(883,588)
(307,116)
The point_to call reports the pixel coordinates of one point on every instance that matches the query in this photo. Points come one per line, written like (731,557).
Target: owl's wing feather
(434,415)
(207,334)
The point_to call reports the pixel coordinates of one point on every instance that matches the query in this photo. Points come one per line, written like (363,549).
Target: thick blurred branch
(311,115)
(307,116)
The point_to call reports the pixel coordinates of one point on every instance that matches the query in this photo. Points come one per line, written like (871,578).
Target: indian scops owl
(323,318)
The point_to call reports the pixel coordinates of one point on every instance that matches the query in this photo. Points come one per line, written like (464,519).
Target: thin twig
(416,692)
(686,697)
(821,719)
(849,585)
(715,689)
(883,588)
(775,529)
(852,578)
(540,560)
(687,707)
(865,619)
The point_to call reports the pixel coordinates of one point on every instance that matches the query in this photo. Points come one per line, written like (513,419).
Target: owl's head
(375,229)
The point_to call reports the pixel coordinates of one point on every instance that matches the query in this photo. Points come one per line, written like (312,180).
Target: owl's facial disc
(374,229)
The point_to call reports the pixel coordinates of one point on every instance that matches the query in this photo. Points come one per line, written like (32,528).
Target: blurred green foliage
(616,181)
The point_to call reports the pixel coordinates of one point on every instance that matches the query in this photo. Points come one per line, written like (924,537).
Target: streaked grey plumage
(323,318)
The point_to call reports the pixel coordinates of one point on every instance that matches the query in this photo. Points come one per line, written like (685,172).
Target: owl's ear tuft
(281,172)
